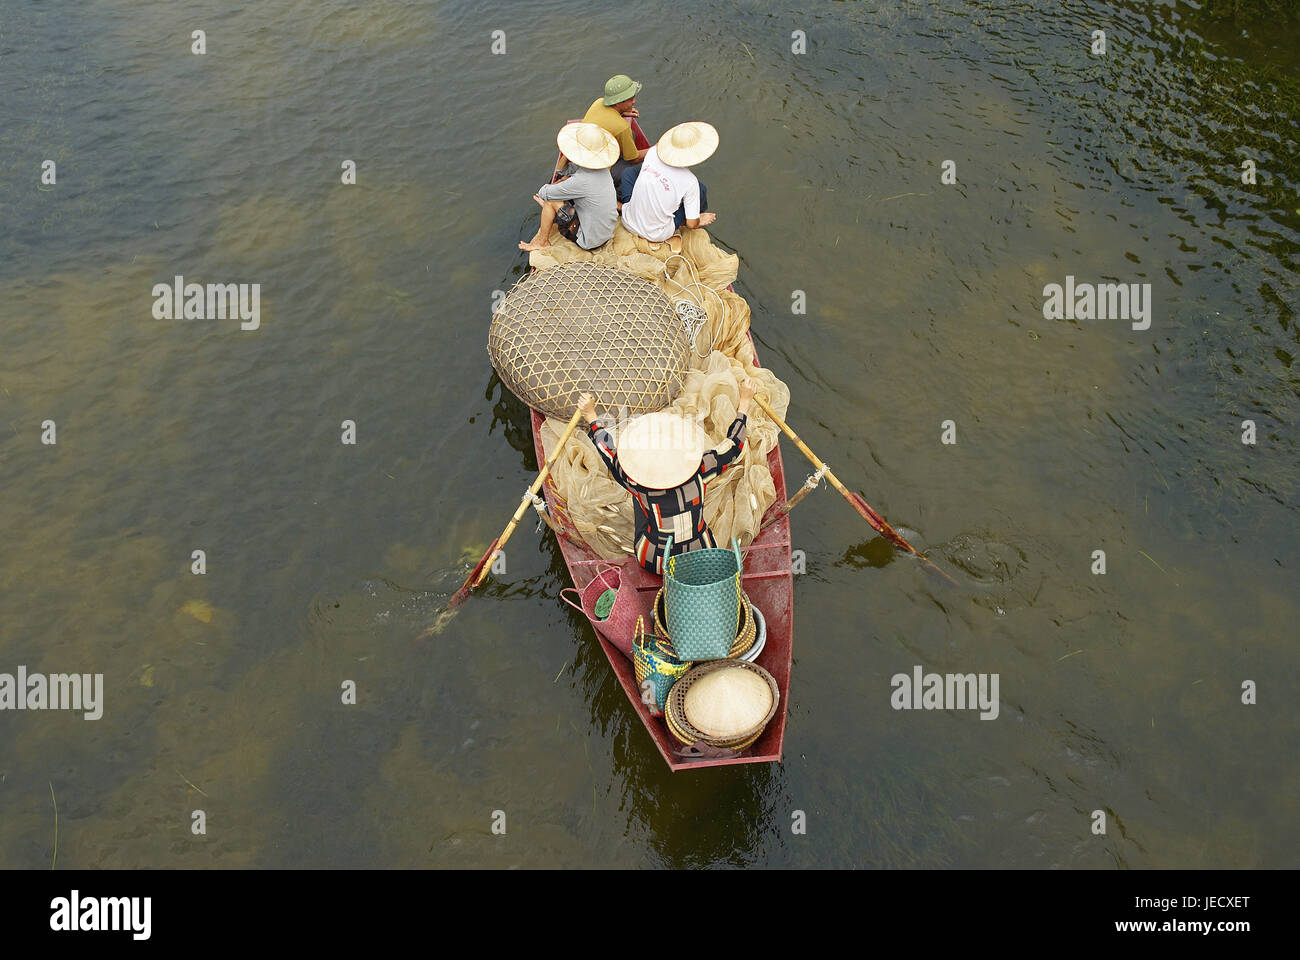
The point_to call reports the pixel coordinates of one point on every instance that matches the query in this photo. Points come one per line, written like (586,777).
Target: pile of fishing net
(735,502)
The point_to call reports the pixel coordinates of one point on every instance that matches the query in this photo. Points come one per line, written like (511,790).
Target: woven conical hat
(662,450)
(727,702)
(687,144)
(588,145)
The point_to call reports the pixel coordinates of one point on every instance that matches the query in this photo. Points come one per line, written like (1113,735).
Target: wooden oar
(807,487)
(858,504)
(480,571)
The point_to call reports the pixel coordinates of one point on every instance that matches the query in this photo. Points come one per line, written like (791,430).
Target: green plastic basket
(702,600)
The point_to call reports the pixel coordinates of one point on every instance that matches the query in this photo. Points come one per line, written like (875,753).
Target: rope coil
(691,310)
(539,505)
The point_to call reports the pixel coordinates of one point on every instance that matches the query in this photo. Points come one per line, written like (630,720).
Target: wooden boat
(767,579)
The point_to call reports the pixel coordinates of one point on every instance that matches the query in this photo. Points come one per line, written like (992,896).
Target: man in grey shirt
(583,203)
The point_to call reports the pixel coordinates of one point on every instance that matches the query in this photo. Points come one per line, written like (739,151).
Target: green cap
(620,88)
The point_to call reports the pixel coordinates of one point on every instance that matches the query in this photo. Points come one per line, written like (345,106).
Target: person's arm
(747,391)
(601,439)
(570,188)
(715,462)
(627,141)
(562,169)
(692,203)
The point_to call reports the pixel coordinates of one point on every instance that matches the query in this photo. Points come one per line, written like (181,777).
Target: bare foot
(707,218)
(534,244)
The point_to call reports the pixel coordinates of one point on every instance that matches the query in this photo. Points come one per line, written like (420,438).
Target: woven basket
(655,666)
(745,639)
(760,641)
(675,713)
(703,602)
(619,628)
(587,327)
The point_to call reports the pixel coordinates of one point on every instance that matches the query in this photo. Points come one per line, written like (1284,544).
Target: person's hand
(634,112)
(747,390)
(707,218)
(587,405)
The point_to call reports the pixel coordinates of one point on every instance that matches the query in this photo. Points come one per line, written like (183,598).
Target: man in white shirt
(662,195)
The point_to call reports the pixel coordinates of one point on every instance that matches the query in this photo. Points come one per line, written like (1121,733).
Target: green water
(1119,692)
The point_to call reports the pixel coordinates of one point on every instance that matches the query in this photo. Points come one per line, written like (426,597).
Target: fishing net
(588,327)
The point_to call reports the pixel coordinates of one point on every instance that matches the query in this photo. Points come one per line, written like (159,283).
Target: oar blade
(892,535)
(878,522)
(461,595)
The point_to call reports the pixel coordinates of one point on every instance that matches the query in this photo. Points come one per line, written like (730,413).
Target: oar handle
(526,501)
(803,447)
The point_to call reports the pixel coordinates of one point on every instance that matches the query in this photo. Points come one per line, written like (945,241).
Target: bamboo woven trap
(588,327)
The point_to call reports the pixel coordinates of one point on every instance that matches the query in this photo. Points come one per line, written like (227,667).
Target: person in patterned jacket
(665,462)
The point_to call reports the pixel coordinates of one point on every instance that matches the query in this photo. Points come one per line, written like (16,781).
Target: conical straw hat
(588,145)
(687,144)
(727,702)
(662,450)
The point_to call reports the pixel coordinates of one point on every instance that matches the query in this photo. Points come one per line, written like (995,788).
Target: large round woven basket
(587,327)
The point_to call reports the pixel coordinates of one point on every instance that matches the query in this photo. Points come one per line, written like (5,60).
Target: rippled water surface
(1119,692)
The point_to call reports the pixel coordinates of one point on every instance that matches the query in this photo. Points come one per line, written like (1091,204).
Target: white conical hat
(588,145)
(687,144)
(662,450)
(727,702)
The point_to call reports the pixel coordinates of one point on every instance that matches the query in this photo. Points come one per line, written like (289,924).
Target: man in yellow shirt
(612,112)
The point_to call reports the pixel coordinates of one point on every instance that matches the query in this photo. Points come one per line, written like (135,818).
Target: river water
(1120,693)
